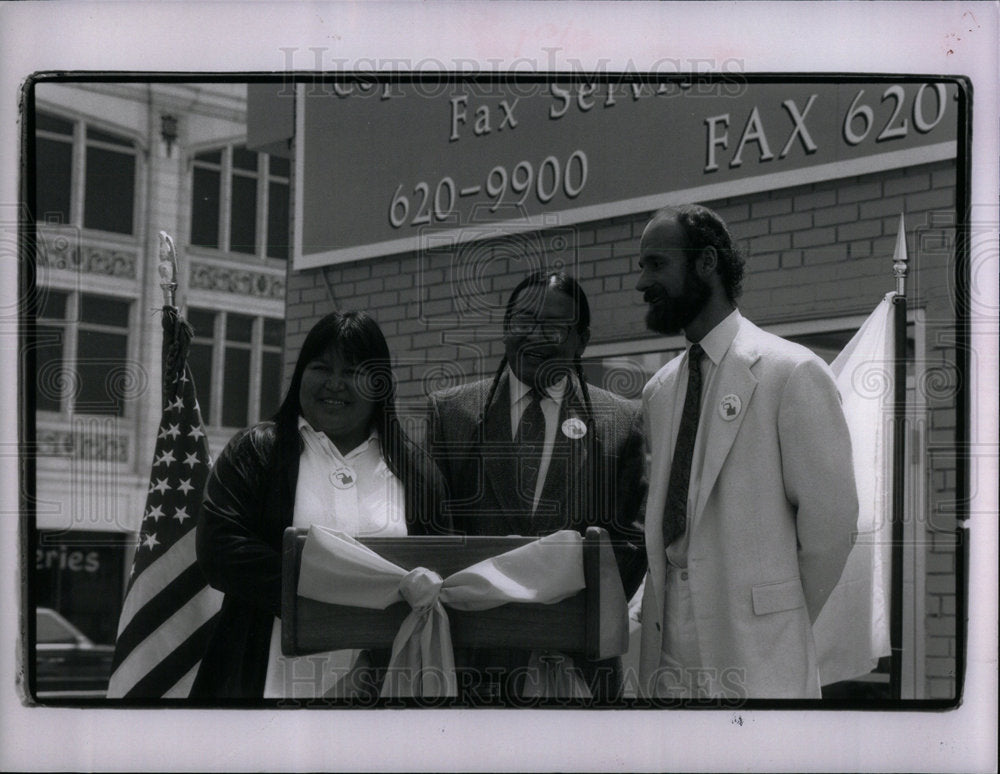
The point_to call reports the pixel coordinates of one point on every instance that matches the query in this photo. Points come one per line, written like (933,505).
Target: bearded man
(752,502)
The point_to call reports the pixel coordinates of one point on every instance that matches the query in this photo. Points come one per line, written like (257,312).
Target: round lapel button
(730,407)
(574,428)
(343,477)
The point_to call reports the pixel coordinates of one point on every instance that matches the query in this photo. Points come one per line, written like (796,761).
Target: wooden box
(594,621)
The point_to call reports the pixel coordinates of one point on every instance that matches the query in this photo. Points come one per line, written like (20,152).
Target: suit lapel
(733,379)
(660,420)
(563,493)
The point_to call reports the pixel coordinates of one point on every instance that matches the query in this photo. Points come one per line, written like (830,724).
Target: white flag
(852,630)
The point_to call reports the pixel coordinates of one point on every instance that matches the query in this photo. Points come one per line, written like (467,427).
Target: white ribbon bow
(339,570)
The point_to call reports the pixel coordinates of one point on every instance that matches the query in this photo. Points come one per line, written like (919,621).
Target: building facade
(115,164)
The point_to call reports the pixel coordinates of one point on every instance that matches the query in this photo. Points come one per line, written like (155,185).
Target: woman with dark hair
(334,454)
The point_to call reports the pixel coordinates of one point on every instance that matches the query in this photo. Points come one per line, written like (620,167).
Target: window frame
(78,169)
(219,343)
(263,176)
(70,345)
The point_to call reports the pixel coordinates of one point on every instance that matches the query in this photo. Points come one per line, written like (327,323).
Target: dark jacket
(596,480)
(243,516)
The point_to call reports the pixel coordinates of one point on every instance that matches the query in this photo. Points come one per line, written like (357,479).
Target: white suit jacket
(773,520)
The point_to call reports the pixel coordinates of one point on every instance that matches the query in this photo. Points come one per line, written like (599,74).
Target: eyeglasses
(523,325)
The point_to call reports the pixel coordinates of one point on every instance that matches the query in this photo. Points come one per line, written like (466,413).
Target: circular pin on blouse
(574,428)
(343,478)
(729,407)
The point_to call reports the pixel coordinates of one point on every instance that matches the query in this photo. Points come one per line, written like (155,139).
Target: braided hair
(539,281)
(564,283)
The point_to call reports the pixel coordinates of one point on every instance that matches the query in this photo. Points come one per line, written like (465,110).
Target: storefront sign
(382,166)
(81,573)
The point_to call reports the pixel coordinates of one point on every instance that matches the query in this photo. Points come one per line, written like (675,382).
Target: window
(235,360)
(84,176)
(239,202)
(277,208)
(79,575)
(82,354)
(110,183)
(53,168)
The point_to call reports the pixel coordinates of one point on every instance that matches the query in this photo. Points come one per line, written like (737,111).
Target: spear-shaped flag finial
(899,259)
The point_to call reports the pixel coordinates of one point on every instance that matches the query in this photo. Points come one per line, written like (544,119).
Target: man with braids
(752,500)
(536,449)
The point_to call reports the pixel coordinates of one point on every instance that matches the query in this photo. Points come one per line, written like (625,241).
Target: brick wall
(814,251)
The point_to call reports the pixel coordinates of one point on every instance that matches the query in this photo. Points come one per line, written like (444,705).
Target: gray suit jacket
(773,520)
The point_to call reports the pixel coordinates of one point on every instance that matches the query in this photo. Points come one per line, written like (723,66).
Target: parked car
(67,663)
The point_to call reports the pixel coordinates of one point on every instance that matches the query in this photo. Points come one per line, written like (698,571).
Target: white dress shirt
(550,404)
(354,493)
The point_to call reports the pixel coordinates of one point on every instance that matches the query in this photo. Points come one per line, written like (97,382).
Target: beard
(669,315)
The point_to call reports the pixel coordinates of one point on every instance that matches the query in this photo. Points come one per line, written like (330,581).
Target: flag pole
(899,270)
(169,612)
(167,269)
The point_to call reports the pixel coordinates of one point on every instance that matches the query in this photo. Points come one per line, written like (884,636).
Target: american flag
(169,609)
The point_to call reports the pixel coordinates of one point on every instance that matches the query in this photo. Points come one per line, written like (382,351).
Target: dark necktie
(675,511)
(530,439)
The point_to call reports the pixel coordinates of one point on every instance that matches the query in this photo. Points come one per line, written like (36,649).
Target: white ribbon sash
(339,570)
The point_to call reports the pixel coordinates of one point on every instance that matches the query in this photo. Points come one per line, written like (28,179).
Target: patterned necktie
(530,438)
(675,511)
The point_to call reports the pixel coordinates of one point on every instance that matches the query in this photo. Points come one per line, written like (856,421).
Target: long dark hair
(358,340)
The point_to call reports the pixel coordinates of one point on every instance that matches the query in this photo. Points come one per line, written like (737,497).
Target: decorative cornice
(225,101)
(65,254)
(244,282)
(82,446)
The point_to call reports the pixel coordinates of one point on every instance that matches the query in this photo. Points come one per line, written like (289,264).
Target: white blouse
(356,494)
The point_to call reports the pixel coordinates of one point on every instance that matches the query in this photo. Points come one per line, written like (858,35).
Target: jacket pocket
(776,597)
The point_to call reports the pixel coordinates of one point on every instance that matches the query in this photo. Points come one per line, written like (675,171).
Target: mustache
(654,295)
(540,350)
